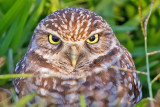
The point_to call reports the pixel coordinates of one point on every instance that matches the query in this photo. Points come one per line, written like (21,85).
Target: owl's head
(69,41)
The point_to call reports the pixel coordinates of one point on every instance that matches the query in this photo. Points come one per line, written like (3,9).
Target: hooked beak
(74,56)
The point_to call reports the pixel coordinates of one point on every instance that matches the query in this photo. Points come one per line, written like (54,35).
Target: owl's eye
(54,40)
(93,39)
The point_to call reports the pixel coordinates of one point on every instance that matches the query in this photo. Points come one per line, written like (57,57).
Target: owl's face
(70,40)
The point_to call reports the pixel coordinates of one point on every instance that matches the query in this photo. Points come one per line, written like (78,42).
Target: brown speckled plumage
(92,75)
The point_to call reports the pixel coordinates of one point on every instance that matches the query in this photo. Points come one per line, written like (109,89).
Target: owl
(70,54)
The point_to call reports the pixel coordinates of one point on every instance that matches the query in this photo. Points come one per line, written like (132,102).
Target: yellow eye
(54,40)
(93,39)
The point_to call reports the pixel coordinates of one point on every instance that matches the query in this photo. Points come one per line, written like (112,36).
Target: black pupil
(55,39)
(92,38)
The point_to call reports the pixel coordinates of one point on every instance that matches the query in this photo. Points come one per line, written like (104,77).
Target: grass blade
(22,102)
(10,61)
(22,22)
(143,102)
(82,101)
(8,38)
(10,16)
(9,76)
(31,22)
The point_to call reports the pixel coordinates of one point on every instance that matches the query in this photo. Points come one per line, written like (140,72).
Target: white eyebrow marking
(96,31)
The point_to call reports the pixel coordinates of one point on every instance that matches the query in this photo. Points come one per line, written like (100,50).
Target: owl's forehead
(73,24)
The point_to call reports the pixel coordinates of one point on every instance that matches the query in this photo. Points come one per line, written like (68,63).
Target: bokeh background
(18,19)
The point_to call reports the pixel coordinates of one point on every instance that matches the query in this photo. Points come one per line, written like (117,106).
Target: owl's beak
(74,56)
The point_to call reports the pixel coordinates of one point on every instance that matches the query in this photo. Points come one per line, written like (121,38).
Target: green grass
(18,19)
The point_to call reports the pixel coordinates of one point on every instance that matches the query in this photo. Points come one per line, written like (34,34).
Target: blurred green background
(18,19)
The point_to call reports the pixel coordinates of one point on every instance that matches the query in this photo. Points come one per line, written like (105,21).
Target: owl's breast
(103,89)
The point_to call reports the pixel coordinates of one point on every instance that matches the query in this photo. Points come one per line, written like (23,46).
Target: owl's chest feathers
(61,91)
(104,85)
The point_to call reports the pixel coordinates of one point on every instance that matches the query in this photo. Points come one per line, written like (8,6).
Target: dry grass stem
(147,18)
(144,30)
(128,70)
(155,79)
(154,52)
(141,20)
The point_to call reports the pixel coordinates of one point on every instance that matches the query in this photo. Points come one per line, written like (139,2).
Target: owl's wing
(20,66)
(131,80)
(18,83)
(128,57)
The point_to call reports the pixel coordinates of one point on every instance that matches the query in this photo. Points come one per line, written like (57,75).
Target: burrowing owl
(70,53)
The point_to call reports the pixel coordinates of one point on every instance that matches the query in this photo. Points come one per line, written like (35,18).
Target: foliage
(18,19)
